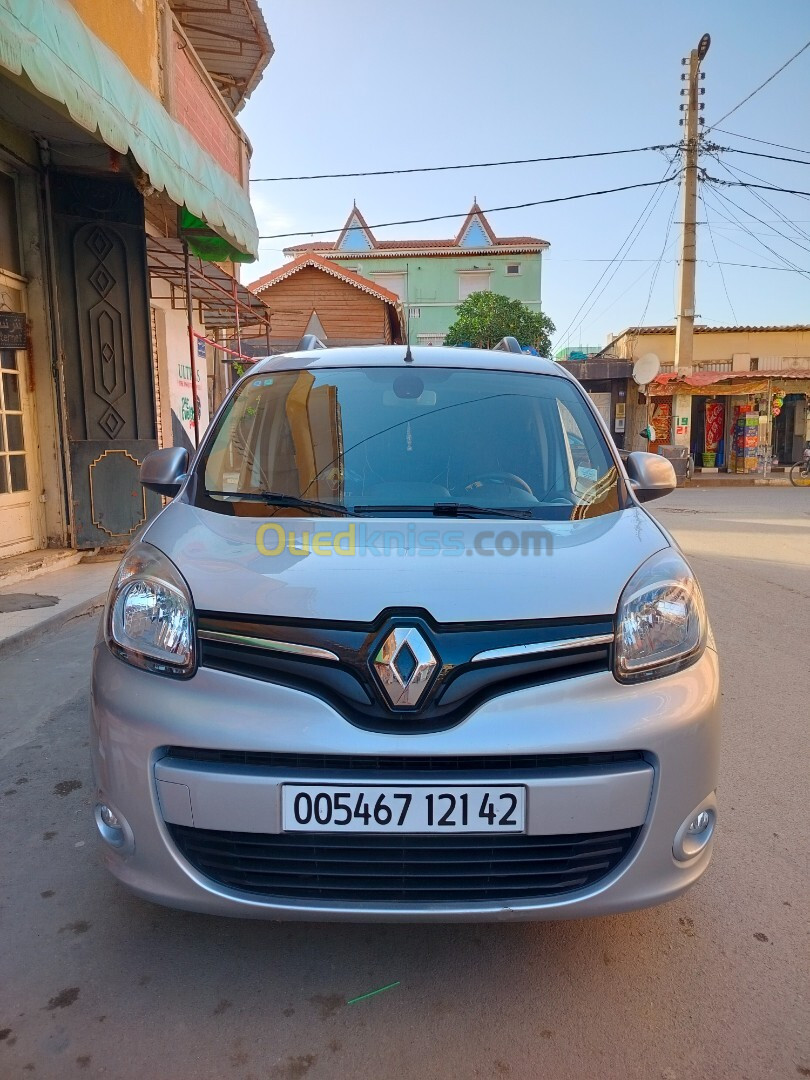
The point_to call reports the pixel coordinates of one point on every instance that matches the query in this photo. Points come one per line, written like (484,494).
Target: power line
(719,264)
(764,142)
(491,210)
(757,89)
(778,255)
(736,243)
(781,258)
(756,153)
(448,168)
(756,266)
(654,277)
(785,220)
(628,240)
(763,187)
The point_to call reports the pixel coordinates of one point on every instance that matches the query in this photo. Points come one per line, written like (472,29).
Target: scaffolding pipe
(222,348)
(192,344)
(236,312)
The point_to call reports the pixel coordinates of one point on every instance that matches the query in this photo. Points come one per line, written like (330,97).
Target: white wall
(174,371)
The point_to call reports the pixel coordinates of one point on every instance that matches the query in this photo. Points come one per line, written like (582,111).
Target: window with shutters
(395,283)
(473,281)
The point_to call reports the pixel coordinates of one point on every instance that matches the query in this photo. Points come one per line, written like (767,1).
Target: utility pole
(685,325)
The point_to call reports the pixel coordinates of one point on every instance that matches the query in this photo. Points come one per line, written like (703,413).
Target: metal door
(103,316)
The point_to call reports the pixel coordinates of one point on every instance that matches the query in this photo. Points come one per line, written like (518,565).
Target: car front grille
(234,644)
(402,869)
(409,763)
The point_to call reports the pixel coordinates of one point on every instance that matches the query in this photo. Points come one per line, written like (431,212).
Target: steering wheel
(508,479)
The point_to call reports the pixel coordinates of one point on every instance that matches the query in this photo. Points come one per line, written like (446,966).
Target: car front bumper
(137,716)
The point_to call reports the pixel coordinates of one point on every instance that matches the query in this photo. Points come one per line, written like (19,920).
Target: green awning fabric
(48,41)
(205,243)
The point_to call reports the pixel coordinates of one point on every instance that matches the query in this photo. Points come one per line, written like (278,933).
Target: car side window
(583,471)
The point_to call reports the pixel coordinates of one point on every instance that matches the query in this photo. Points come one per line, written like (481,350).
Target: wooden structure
(312,296)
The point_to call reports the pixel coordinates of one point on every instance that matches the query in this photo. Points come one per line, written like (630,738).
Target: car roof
(436,356)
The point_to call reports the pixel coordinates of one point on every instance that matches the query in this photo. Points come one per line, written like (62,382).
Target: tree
(486,317)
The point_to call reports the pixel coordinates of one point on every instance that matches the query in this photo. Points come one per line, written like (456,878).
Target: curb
(14,642)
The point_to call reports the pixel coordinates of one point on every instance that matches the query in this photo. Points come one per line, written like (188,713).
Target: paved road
(96,983)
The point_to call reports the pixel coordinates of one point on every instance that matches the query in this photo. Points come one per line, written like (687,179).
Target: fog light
(108,817)
(112,828)
(696,832)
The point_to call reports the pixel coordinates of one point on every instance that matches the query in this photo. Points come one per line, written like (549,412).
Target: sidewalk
(30,608)
(700,479)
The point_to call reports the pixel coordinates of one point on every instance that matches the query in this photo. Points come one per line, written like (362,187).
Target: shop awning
(48,41)
(711,383)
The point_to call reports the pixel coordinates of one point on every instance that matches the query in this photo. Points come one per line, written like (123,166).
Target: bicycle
(800,472)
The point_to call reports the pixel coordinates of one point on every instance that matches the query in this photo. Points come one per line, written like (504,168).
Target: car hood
(341,569)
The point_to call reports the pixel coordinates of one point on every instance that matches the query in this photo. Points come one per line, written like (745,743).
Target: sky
(362,85)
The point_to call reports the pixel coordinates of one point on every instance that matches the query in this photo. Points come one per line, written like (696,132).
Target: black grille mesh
(313,763)
(402,869)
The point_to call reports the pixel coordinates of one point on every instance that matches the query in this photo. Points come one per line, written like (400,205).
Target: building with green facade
(432,277)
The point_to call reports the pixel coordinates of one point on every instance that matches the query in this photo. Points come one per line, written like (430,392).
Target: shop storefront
(742,423)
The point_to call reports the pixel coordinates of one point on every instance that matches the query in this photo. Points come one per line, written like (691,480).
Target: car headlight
(661,624)
(149,620)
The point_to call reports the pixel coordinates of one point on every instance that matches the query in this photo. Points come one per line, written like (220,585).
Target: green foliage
(486,317)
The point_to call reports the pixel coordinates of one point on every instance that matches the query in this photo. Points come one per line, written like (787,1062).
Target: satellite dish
(646,368)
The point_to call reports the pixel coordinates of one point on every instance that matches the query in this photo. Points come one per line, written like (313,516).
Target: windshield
(432,440)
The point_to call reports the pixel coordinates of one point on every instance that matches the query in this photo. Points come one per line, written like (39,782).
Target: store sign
(661,419)
(12,330)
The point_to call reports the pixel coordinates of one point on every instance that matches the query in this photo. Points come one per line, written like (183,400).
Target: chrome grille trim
(268,643)
(566,644)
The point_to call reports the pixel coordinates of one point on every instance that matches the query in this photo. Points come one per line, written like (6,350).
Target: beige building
(743,403)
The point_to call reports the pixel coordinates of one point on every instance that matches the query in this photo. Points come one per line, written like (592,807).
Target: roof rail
(309,341)
(508,344)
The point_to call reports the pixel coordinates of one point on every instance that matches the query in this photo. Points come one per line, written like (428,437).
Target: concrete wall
(174,372)
(773,349)
(130,28)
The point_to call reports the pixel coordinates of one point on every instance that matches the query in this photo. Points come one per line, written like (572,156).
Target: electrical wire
(660,259)
(491,210)
(735,172)
(754,236)
(755,153)
(738,228)
(757,89)
(764,142)
(755,266)
(716,192)
(763,187)
(759,220)
(449,168)
(627,243)
(717,256)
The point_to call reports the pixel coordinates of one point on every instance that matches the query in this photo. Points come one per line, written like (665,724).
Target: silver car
(406,645)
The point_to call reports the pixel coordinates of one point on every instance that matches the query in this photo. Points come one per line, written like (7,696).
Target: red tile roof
(340,272)
(381,247)
(427,245)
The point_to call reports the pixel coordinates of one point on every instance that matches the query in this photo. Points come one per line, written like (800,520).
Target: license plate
(398,809)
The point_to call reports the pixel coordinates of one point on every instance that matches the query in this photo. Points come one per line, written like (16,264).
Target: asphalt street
(95,983)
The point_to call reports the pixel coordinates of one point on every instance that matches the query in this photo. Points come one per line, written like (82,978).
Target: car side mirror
(651,475)
(164,471)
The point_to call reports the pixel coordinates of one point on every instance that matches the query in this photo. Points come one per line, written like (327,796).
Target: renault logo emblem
(404,665)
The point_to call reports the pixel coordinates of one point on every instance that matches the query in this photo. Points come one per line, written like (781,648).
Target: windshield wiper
(446,509)
(278,498)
